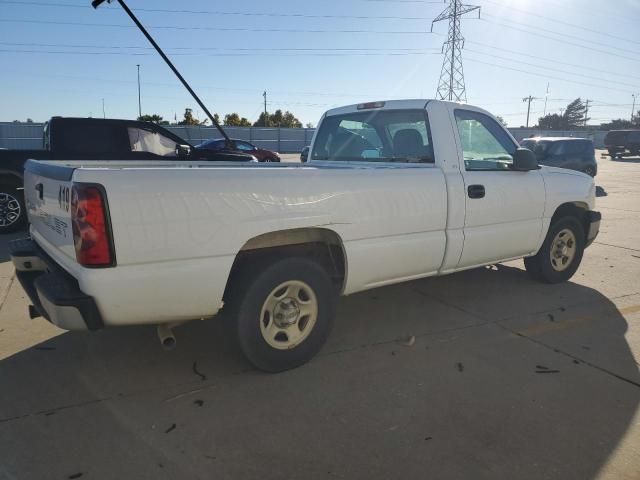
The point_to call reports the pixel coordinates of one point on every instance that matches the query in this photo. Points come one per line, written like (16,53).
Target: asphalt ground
(482,374)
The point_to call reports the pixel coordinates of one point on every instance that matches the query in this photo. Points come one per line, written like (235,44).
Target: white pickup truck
(392,191)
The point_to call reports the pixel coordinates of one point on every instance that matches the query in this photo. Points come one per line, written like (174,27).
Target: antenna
(451,85)
(228,141)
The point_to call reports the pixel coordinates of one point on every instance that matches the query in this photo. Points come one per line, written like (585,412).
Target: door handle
(476,191)
(40,190)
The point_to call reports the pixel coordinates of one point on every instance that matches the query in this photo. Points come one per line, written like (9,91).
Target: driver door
(504,208)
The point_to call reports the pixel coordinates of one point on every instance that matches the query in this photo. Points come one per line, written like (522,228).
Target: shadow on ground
(626,159)
(506,378)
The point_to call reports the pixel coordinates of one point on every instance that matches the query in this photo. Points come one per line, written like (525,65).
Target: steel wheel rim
(563,250)
(10,209)
(288,315)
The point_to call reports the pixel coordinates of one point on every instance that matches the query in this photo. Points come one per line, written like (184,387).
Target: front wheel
(561,253)
(282,314)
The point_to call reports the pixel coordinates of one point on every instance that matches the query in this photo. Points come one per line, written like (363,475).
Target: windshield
(378,136)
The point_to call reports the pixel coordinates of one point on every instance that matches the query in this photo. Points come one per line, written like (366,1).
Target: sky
(62,57)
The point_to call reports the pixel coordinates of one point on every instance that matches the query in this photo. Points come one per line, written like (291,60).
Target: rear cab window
(375,136)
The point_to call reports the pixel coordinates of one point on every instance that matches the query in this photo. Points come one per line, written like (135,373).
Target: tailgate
(47,191)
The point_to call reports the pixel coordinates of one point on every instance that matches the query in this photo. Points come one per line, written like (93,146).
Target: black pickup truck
(93,139)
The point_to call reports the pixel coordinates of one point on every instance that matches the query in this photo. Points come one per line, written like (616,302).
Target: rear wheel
(282,315)
(12,209)
(560,254)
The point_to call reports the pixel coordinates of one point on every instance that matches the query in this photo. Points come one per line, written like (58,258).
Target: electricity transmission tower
(451,85)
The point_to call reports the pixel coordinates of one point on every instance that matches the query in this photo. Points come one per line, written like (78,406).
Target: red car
(242,147)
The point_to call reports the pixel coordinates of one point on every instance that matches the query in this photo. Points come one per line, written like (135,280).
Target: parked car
(92,139)
(304,155)
(260,154)
(564,152)
(620,143)
(400,190)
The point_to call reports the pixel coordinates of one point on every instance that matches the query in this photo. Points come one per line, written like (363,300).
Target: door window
(485,144)
(151,142)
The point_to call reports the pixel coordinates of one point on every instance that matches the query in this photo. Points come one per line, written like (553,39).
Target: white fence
(25,136)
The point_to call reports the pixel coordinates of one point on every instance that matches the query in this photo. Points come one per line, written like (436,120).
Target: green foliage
(552,121)
(151,118)
(189,119)
(575,114)
(278,119)
(617,124)
(501,120)
(573,118)
(234,120)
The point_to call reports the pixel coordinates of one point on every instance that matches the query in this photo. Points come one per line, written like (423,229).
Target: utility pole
(451,85)
(546,98)
(139,94)
(633,109)
(586,111)
(104,115)
(266,118)
(529,99)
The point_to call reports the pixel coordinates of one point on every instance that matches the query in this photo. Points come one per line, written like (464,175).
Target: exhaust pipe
(167,339)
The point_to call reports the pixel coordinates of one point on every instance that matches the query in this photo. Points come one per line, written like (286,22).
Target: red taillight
(91,233)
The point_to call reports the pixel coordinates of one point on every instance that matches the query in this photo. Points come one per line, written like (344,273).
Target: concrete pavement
(506,378)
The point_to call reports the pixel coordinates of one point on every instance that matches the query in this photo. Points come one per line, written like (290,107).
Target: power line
(589,77)
(591,49)
(218,29)
(329,54)
(561,34)
(230,13)
(234,49)
(504,67)
(561,22)
(546,59)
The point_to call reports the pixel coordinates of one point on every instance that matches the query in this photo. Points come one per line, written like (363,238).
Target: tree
(155,118)
(234,120)
(279,119)
(617,124)
(575,114)
(501,120)
(189,119)
(309,125)
(552,121)
(29,120)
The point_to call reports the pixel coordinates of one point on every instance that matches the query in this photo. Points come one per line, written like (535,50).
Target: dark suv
(622,142)
(572,153)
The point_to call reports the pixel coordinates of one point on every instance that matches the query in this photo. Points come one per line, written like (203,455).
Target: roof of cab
(388,105)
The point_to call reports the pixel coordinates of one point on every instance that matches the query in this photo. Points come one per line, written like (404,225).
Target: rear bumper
(55,294)
(593,225)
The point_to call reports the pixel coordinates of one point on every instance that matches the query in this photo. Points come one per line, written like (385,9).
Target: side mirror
(183,150)
(524,160)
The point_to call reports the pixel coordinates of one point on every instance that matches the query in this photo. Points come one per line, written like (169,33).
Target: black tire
(540,266)
(247,297)
(9,196)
